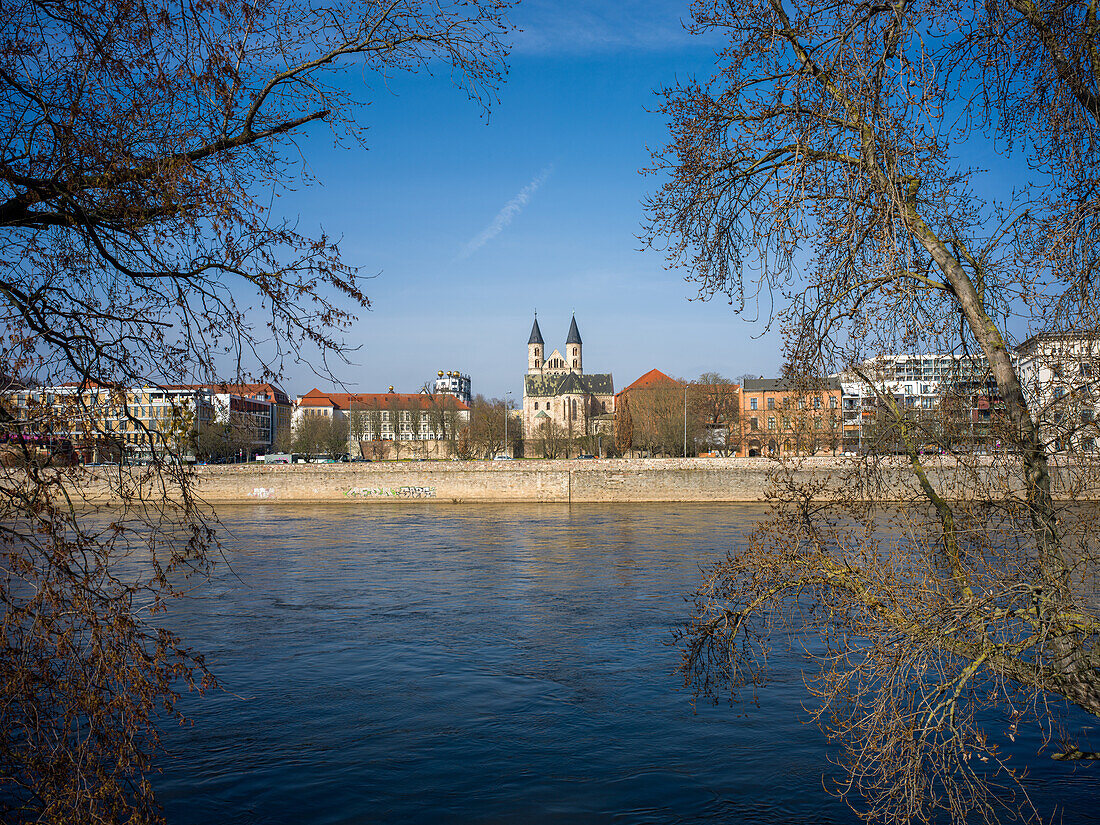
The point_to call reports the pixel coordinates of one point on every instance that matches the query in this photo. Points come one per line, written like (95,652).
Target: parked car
(502,458)
(585,455)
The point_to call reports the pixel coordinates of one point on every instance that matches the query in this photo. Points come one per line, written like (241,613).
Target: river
(487,664)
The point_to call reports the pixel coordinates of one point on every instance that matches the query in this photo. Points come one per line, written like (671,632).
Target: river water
(488,664)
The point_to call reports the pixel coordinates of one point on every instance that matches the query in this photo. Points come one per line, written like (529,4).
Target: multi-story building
(400,418)
(282,408)
(781,417)
(557,393)
(112,423)
(454,383)
(948,401)
(674,417)
(1060,375)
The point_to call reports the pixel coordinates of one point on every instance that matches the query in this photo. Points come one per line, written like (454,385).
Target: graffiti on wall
(390,492)
(262,492)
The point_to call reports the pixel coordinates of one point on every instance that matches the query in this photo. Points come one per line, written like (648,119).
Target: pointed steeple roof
(574,333)
(536,334)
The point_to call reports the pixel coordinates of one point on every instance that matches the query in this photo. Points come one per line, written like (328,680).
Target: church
(556,389)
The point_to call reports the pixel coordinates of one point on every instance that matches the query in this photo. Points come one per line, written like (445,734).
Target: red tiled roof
(651,380)
(345,400)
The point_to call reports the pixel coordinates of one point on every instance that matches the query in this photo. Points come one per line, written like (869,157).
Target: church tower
(573,348)
(534,348)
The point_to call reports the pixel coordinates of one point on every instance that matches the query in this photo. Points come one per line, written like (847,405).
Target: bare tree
(336,437)
(831,127)
(416,420)
(137,255)
(718,404)
(624,426)
(359,423)
(552,439)
(487,426)
(312,435)
(394,410)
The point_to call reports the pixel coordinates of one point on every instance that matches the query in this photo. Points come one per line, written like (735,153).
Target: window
(752,403)
(817,423)
(817,403)
(786,423)
(754,424)
(771,403)
(801,403)
(771,422)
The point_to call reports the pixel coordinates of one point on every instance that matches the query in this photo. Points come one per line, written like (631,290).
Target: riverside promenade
(614,480)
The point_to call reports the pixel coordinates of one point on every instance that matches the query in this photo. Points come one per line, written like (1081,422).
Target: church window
(574,362)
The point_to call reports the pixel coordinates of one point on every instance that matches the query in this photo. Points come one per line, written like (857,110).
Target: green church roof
(570,383)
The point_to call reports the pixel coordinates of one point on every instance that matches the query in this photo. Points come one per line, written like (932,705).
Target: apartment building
(116,423)
(1059,372)
(947,401)
(386,416)
(782,417)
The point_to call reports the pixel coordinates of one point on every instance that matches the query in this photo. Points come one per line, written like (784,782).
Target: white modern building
(918,385)
(1060,372)
(453,383)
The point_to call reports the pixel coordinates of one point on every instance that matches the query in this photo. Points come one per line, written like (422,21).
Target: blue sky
(455,280)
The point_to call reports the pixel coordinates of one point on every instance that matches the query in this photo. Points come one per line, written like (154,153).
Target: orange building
(779,417)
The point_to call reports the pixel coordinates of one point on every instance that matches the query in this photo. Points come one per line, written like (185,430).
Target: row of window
(754,423)
(786,403)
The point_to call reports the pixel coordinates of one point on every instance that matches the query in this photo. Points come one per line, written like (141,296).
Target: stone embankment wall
(604,480)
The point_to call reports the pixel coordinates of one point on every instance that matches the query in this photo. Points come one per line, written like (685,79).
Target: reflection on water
(434,663)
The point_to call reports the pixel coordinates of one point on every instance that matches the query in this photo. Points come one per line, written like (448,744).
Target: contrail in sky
(505,215)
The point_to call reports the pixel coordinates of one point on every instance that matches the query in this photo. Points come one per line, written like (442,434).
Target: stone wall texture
(602,480)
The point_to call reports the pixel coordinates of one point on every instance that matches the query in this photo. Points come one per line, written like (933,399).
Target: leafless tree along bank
(142,145)
(819,167)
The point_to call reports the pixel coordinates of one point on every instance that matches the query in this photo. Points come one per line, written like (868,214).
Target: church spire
(574,333)
(536,333)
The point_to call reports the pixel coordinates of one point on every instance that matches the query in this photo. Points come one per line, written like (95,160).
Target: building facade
(454,383)
(947,402)
(114,423)
(558,396)
(402,419)
(780,417)
(1060,375)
